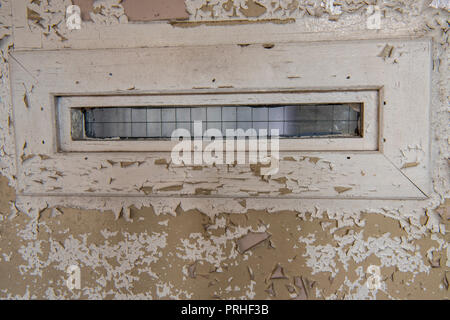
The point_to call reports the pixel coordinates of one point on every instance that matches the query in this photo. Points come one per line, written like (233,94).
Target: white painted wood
(162,33)
(24,37)
(369,141)
(301,66)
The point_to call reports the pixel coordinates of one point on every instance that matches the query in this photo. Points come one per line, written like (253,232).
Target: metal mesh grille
(313,120)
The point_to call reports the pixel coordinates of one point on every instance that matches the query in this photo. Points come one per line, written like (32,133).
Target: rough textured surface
(152,257)
(86,6)
(189,248)
(136,10)
(155,10)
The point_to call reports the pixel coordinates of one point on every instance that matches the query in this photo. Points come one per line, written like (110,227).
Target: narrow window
(291,121)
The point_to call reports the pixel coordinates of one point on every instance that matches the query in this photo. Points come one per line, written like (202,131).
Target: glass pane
(300,120)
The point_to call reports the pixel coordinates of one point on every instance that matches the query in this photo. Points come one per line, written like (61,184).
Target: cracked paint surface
(190,255)
(176,248)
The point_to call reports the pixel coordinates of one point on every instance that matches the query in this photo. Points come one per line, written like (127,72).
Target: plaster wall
(207,247)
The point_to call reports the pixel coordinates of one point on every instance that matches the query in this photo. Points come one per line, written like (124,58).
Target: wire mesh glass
(301,120)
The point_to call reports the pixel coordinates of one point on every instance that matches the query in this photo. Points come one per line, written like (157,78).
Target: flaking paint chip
(342,189)
(33,15)
(86,6)
(410,165)
(147,190)
(125,164)
(177,187)
(192,270)
(386,52)
(271,290)
(253,9)
(161,162)
(290,288)
(298,282)
(250,240)
(250,272)
(445,280)
(138,10)
(443,210)
(112,163)
(278,273)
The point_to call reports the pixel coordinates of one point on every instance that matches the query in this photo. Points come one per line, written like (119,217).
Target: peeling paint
(184,248)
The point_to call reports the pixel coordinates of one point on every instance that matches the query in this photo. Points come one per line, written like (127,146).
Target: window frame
(401,166)
(368,141)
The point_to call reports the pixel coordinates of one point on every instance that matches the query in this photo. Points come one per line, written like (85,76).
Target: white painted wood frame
(402,90)
(223,97)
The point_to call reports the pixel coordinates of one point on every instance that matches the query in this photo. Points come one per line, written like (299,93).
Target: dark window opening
(292,121)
